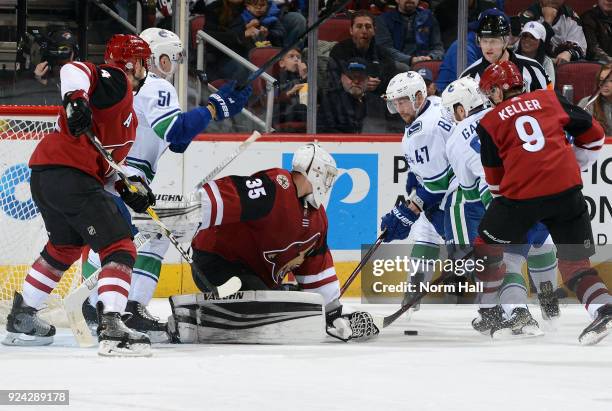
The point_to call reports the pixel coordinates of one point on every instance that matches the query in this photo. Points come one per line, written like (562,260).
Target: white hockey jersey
(463,153)
(424,146)
(156,106)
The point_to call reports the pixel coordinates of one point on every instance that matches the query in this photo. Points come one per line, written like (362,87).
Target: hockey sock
(542,263)
(40,282)
(147,269)
(513,292)
(593,293)
(114,286)
(422,257)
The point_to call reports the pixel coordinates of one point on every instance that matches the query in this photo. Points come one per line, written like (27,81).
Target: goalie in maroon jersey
(263,226)
(533,169)
(67,185)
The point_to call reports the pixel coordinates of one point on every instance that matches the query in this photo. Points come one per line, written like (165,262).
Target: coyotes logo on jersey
(289,258)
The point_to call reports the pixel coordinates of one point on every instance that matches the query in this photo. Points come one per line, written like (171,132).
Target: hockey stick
(363,262)
(226,161)
(73,302)
(228,288)
(253,76)
(388,320)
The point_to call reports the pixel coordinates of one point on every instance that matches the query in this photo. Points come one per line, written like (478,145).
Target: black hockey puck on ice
(411,332)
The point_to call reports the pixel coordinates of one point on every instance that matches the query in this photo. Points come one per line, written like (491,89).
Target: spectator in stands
(292,87)
(448,69)
(349,108)
(292,18)
(380,65)
(219,16)
(597,26)
(532,44)
(601,107)
(446,13)
(427,75)
(259,23)
(409,33)
(563,28)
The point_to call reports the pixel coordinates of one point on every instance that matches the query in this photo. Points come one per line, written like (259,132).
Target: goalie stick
(73,302)
(230,287)
(362,263)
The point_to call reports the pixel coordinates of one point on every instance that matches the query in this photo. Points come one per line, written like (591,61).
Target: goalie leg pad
(249,317)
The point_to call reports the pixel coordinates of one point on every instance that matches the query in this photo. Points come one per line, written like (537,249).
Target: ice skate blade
(24,340)
(508,334)
(114,349)
(592,338)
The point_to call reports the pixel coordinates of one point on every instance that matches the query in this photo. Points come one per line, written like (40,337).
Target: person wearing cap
(427,75)
(60,49)
(410,34)
(349,108)
(380,64)
(493,36)
(532,44)
(563,28)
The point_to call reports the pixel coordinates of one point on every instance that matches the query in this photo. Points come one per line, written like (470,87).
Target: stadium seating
(580,74)
(259,56)
(335,29)
(195,24)
(433,65)
(516,6)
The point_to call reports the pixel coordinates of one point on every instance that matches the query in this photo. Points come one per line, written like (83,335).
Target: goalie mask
(466,92)
(314,163)
(164,42)
(404,85)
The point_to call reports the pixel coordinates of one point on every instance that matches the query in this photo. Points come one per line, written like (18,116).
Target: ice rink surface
(448,366)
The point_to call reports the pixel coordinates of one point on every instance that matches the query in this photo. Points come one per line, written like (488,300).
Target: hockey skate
(117,340)
(487,318)
(549,303)
(599,328)
(25,328)
(142,320)
(520,323)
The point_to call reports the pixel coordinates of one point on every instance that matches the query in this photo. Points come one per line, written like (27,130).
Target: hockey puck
(411,332)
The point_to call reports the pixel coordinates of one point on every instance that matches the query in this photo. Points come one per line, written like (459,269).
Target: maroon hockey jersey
(259,221)
(114,123)
(526,148)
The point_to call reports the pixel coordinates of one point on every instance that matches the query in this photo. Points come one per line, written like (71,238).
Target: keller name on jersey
(519,107)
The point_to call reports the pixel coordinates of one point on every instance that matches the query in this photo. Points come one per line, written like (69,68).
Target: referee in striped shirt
(493,37)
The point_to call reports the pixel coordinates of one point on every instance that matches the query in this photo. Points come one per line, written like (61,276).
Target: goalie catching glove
(140,200)
(78,112)
(398,223)
(228,102)
(358,326)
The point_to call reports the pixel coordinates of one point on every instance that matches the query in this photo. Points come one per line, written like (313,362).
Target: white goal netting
(22,231)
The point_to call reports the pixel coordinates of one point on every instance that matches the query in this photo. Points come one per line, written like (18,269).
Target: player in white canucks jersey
(466,206)
(162,125)
(428,126)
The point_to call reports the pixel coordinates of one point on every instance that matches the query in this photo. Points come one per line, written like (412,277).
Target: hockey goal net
(22,231)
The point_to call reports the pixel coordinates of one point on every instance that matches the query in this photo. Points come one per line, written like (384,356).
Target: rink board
(372,175)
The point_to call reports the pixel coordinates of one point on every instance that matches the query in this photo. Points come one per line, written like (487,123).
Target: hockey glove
(398,223)
(140,200)
(229,102)
(78,112)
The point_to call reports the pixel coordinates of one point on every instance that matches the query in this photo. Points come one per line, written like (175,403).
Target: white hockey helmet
(406,84)
(164,42)
(464,91)
(319,167)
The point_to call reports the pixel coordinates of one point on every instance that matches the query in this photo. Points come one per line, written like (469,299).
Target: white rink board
(365,189)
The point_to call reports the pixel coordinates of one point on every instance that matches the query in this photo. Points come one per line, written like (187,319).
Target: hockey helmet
(493,23)
(164,42)
(505,75)
(463,91)
(406,84)
(319,167)
(124,50)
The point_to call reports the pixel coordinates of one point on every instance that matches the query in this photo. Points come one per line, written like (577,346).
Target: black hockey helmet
(493,23)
